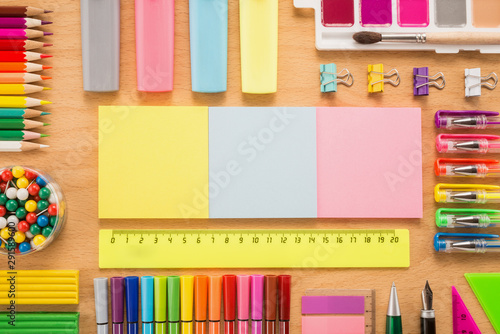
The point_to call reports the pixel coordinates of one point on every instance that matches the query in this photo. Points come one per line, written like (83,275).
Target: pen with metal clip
(467,143)
(471,218)
(466,193)
(467,119)
(466,243)
(474,168)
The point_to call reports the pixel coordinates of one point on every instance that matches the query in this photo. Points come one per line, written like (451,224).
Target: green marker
(20,113)
(19,135)
(472,218)
(173,296)
(160,304)
(393,323)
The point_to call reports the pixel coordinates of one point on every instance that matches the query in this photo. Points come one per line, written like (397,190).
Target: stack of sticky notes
(39,287)
(40,322)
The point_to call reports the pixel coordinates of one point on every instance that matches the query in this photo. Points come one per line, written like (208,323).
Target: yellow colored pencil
(20,89)
(20,102)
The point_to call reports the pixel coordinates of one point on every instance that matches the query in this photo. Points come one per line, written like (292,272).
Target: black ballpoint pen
(427,315)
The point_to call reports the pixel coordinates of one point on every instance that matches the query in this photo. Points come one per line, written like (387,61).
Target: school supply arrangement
(17,79)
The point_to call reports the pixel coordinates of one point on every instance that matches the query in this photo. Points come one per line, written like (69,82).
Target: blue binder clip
(422,81)
(330,78)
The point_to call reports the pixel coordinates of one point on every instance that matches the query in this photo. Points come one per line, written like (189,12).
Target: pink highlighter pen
(257,292)
(243,299)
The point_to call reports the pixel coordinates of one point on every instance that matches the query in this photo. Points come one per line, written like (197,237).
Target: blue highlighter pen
(132,303)
(147,304)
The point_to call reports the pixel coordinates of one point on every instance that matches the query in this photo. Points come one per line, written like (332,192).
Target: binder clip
(377,78)
(422,81)
(474,81)
(330,78)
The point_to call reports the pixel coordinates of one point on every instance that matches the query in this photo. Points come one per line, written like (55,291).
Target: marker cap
(187,282)
(200,297)
(284,286)
(271,293)
(132,298)
(243,286)
(214,297)
(117,298)
(229,286)
(147,298)
(160,298)
(173,297)
(101,303)
(257,295)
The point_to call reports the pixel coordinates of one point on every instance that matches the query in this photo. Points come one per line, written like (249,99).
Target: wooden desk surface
(72,157)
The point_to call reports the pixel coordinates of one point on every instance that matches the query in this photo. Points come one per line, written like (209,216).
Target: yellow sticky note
(153,162)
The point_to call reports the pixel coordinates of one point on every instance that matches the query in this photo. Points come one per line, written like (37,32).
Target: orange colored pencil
(21,78)
(22,67)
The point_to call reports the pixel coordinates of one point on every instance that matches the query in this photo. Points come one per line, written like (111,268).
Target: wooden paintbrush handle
(487,38)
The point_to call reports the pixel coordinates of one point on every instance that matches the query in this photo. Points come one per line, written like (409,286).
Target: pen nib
(427,297)
(465,122)
(393,309)
(466,170)
(472,145)
(469,221)
(469,196)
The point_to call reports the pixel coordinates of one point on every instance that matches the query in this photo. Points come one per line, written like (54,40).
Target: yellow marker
(20,102)
(187,287)
(259,46)
(20,89)
(466,193)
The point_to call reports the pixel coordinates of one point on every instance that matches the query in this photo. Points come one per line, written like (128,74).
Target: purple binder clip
(422,81)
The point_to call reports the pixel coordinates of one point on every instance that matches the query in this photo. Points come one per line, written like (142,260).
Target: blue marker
(147,304)
(132,302)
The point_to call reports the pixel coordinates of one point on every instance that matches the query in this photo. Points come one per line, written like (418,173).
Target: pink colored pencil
(22,33)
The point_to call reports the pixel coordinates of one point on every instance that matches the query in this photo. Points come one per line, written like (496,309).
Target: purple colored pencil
(21,22)
(22,33)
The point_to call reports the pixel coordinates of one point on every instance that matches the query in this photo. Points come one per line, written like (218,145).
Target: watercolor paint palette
(338,20)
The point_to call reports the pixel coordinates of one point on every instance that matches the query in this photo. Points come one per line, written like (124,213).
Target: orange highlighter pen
(214,303)
(200,303)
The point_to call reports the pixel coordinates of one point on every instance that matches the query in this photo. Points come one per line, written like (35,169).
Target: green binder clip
(330,78)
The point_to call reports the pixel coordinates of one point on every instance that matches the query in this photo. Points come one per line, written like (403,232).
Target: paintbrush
(370,37)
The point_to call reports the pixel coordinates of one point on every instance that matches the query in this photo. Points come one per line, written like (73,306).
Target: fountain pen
(427,315)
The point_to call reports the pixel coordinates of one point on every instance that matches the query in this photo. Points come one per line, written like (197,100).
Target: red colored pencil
(20,45)
(19,56)
(22,33)
(21,11)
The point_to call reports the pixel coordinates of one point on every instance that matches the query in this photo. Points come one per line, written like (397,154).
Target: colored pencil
(20,78)
(20,102)
(19,56)
(20,67)
(23,146)
(21,22)
(22,33)
(21,113)
(20,89)
(21,11)
(20,45)
(18,135)
(19,124)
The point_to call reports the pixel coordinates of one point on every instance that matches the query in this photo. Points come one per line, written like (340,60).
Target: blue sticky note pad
(262,162)
(208,37)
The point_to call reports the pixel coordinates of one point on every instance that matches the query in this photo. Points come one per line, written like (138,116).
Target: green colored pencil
(20,113)
(18,135)
(19,124)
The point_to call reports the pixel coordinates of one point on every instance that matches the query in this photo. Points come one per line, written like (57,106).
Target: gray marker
(101,45)
(101,304)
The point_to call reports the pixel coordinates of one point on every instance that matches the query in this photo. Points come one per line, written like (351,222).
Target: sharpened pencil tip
(43,102)
(44,146)
(46,56)
(46,33)
(46,67)
(47,88)
(47,44)
(45,124)
(46,22)
(42,135)
(45,77)
(44,113)
(46,11)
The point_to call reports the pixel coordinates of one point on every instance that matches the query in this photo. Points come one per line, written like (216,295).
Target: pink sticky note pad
(333,304)
(333,325)
(369,162)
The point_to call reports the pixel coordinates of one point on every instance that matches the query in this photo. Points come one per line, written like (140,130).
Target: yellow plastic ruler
(253,248)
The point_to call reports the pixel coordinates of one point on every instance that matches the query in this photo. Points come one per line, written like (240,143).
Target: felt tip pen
(173,298)
(160,304)
(101,304)
(132,304)
(229,288)
(467,119)
(147,304)
(467,143)
(284,291)
(271,293)
(257,302)
(466,243)
(393,324)
(187,289)
(469,218)
(200,303)
(117,286)
(214,303)
(243,298)
(477,168)
(466,193)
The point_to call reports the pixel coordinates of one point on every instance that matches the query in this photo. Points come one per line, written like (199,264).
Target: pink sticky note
(333,325)
(369,162)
